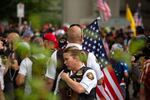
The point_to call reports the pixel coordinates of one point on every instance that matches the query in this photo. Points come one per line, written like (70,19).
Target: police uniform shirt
(91,62)
(89,80)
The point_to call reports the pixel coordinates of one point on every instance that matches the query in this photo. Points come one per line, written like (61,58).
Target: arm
(49,83)
(20,79)
(147,61)
(125,67)
(51,71)
(88,82)
(92,63)
(126,74)
(77,87)
(1,94)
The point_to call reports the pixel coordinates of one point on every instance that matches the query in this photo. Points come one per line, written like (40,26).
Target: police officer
(81,80)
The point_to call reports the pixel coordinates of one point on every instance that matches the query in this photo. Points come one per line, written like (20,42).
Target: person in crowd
(83,80)
(47,28)
(40,58)
(38,41)
(61,36)
(145,74)
(119,66)
(110,39)
(74,38)
(27,35)
(2,72)
(145,81)
(135,75)
(127,38)
(138,56)
(25,68)
(32,67)
(9,42)
(50,41)
(13,67)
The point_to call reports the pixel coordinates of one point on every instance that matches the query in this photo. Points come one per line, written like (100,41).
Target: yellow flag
(131,20)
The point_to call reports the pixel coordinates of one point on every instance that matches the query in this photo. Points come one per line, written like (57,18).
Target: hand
(147,61)
(64,76)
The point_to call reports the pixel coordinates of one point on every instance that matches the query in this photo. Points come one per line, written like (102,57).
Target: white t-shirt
(26,70)
(2,70)
(91,62)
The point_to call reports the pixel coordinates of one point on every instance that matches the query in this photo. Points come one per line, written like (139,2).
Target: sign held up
(20,10)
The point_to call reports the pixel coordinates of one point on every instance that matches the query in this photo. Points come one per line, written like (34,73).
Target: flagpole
(102,16)
(98,18)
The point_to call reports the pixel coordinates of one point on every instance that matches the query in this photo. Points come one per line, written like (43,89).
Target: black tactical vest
(66,93)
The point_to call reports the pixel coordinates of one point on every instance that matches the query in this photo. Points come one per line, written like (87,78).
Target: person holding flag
(74,38)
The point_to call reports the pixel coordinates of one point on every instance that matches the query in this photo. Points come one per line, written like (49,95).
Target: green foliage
(40,58)
(83,57)
(136,45)
(90,34)
(117,54)
(122,56)
(22,49)
(39,92)
(127,58)
(39,64)
(40,18)
(52,7)
(35,20)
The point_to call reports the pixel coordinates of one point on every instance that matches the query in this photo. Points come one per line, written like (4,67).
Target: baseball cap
(51,37)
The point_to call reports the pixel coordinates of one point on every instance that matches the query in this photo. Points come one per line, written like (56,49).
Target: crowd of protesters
(19,64)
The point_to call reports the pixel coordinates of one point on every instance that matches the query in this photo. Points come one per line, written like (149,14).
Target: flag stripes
(110,90)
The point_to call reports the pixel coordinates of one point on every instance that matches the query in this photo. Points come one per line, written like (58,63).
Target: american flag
(138,18)
(93,43)
(103,6)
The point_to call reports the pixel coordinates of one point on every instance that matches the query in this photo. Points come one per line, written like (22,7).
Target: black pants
(136,88)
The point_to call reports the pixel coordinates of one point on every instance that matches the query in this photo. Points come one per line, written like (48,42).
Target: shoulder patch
(90,75)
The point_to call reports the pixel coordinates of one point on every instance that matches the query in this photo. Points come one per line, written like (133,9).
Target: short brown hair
(75,52)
